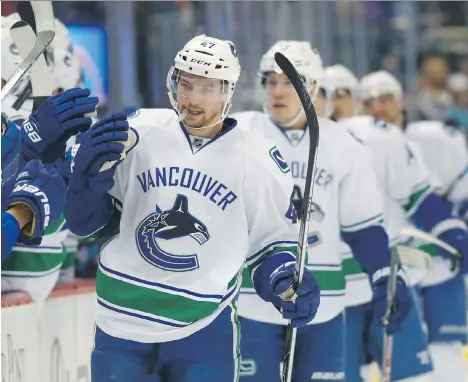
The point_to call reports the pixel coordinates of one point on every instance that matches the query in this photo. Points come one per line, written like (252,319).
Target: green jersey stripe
(328,280)
(56,226)
(29,261)
(157,302)
(351,266)
(415,199)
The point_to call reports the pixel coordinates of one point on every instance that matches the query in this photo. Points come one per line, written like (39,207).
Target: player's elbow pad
(87,212)
(431,211)
(370,247)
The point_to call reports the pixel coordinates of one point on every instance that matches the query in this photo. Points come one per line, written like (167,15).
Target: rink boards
(48,342)
(52,341)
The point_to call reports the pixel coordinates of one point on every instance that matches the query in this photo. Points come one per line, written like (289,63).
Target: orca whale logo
(174,223)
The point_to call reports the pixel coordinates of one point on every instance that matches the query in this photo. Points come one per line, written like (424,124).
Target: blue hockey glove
(303,306)
(43,191)
(401,304)
(457,238)
(55,121)
(103,143)
(463,211)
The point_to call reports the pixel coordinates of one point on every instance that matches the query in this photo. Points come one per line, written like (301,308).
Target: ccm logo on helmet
(200,62)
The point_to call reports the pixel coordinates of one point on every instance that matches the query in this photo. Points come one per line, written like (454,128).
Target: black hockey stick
(312,121)
(45,33)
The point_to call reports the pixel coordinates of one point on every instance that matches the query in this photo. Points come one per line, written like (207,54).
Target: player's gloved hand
(103,143)
(55,121)
(401,301)
(300,307)
(463,211)
(457,238)
(43,191)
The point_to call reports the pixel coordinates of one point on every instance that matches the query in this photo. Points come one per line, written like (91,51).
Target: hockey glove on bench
(57,119)
(43,191)
(103,143)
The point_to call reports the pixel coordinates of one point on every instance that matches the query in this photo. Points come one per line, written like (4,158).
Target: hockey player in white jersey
(347,202)
(197,198)
(444,296)
(408,190)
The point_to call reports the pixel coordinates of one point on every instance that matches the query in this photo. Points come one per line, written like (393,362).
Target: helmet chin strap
(287,124)
(301,111)
(222,116)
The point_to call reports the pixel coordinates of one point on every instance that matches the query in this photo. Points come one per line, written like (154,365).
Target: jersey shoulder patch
(263,154)
(278,159)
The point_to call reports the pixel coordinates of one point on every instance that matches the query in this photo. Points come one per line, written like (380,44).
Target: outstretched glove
(401,302)
(104,142)
(302,306)
(457,238)
(43,191)
(48,128)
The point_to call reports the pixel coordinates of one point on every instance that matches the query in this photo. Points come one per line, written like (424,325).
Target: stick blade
(41,76)
(414,257)
(42,42)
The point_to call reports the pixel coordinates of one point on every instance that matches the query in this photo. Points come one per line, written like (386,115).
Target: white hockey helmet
(206,57)
(66,66)
(328,86)
(458,82)
(305,59)
(380,83)
(11,58)
(343,79)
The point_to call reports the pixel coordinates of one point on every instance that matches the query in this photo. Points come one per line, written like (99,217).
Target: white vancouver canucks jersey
(191,216)
(402,176)
(445,152)
(346,198)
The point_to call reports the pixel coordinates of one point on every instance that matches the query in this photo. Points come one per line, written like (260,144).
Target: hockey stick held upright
(296,80)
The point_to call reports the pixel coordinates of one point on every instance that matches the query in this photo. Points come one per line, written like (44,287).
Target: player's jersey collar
(294,137)
(197,144)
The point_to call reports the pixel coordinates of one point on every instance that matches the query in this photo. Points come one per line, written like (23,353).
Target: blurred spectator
(433,97)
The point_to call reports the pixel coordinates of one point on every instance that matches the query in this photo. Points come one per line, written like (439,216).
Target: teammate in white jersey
(197,198)
(402,184)
(408,189)
(347,203)
(444,296)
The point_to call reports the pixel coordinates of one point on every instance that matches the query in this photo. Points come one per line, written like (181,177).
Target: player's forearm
(10,232)
(370,247)
(433,210)
(87,212)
